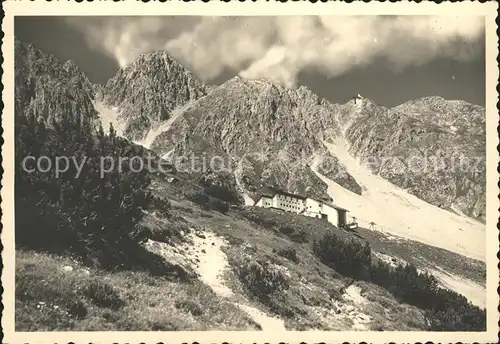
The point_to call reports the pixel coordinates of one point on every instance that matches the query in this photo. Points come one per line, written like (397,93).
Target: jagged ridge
(147,91)
(49,90)
(419,145)
(269,134)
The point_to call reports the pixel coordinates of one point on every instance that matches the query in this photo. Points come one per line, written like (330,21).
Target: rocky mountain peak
(49,89)
(71,67)
(159,60)
(76,73)
(455,115)
(148,90)
(434,130)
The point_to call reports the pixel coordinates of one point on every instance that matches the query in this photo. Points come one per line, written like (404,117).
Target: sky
(389,59)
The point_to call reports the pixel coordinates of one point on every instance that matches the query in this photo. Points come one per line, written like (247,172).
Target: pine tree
(93,216)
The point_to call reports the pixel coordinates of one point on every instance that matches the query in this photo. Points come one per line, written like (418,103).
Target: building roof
(272,191)
(319,200)
(337,207)
(285,193)
(264,192)
(329,204)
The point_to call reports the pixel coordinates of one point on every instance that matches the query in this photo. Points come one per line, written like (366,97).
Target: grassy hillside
(302,271)
(56,293)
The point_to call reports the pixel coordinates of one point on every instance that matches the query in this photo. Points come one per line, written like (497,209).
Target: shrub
(280,304)
(295,234)
(221,186)
(91,216)
(102,295)
(208,203)
(446,310)
(336,293)
(262,279)
(349,257)
(191,306)
(467,318)
(161,204)
(223,193)
(198,197)
(163,231)
(288,253)
(218,205)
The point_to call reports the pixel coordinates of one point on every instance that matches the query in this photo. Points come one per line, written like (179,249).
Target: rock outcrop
(431,147)
(268,133)
(49,90)
(147,92)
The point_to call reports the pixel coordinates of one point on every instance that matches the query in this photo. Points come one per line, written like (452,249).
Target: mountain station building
(302,205)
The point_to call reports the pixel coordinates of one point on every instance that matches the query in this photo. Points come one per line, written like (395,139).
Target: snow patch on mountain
(109,115)
(384,206)
(473,291)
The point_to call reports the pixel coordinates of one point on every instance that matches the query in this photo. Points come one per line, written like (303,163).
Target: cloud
(278,48)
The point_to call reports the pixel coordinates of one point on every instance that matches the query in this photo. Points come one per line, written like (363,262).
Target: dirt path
(266,322)
(361,321)
(203,255)
(213,263)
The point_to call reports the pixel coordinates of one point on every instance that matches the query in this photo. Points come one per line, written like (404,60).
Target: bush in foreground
(83,211)
(348,257)
(102,295)
(161,204)
(288,253)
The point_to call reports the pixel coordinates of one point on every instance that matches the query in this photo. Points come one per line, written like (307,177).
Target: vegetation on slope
(55,293)
(317,297)
(80,263)
(93,215)
(446,310)
(350,256)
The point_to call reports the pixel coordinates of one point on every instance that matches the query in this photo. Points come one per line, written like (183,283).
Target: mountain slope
(72,69)
(259,134)
(266,133)
(394,210)
(48,89)
(148,91)
(431,147)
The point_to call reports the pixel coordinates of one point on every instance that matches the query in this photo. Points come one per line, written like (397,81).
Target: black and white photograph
(251,173)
